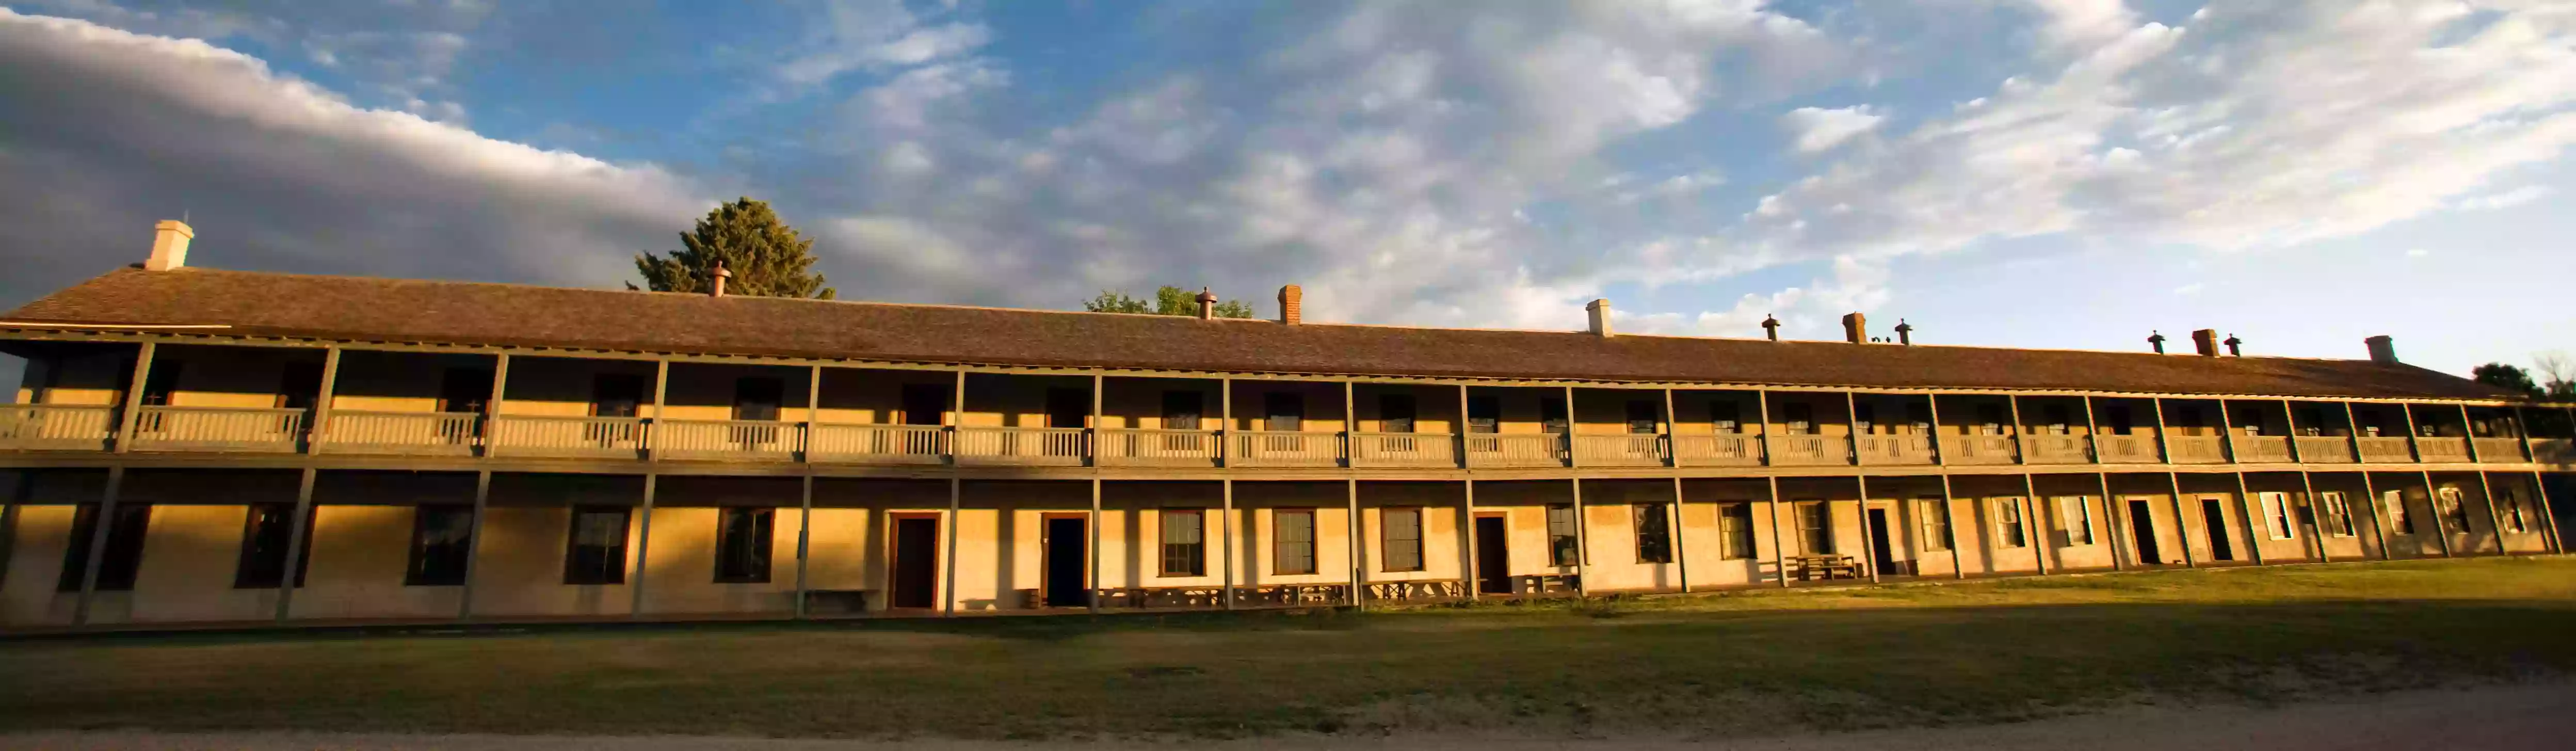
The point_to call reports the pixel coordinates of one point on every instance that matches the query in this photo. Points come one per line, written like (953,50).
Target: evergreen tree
(2500,374)
(766,257)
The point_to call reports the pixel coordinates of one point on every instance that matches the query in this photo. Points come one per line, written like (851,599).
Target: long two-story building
(200,446)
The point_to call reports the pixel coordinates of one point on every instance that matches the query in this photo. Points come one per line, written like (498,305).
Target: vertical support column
(1672,428)
(1762,404)
(2182,529)
(106,520)
(294,545)
(2413,445)
(1091,524)
(2245,500)
(2093,446)
(2522,430)
(2495,519)
(2469,438)
(2035,522)
(317,432)
(2352,435)
(1228,531)
(661,390)
(474,543)
(2290,417)
(804,538)
(2433,503)
(1582,533)
(2317,516)
(2164,448)
(1868,538)
(1350,424)
(126,419)
(1091,428)
(813,417)
(1467,535)
(2021,446)
(2378,523)
(1351,536)
(1950,517)
(1940,451)
(1681,553)
(1779,546)
(492,401)
(2117,518)
(1851,436)
(1572,423)
(643,546)
(948,526)
(2227,439)
(1225,422)
(2539,492)
(1463,463)
(19,489)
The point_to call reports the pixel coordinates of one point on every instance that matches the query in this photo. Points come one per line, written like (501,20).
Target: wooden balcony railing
(2126,449)
(877,444)
(1284,448)
(2383,449)
(2262,449)
(218,429)
(2501,450)
(1404,450)
(534,435)
(1157,448)
(68,427)
(1628,450)
(740,440)
(1034,446)
(1516,449)
(2197,449)
(2443,450)
(1978,449)
(1729,450)
(1809,450)
(2055,449)
(2324,449)
(408,433)
(2553,450)
(1895,449)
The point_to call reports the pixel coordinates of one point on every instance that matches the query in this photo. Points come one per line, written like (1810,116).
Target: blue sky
(2044,173)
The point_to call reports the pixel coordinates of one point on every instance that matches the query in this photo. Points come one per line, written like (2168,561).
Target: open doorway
(1882,548)
(2142,531)
(1065,580)
(2213,520)
(915,579)
(1493,556)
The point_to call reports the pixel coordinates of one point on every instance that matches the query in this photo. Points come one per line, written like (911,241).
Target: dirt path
(2498,718)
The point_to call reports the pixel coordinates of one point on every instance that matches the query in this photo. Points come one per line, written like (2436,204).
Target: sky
(2029,173)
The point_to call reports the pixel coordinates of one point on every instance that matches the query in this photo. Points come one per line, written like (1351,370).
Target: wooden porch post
(2227,435)
(661,387)
(2495,519)
(294,545)
(126,419)
(2164,448)
(2433,503)
(1940,454)
(2116,516)
(813,416)
(105,520)
(1779,546)
(2182,528)
(2290,417)
(2021,445)
(1762,404)
(2539,491)
(2316,516)
(1851,434)
(2035,514)
(2245,500)
(319,431)
(2469,435)
(1351,535)
(474,543)
(2413,445)
(20,487)
(804,537)
(1463,463)
(643,543)
(1225,422)
(1950,517)
(2378,523)
(1582,540)
(492,402)
(1467,538)
(1091,429)
(948,590)
(1228,528)
(1681,554)
(1091,598)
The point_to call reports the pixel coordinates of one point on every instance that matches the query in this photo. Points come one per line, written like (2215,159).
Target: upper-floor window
(2121,422)
(159,384)
(2251,420)
(1552,415)
(464,389)
(1484,414)
(1181,409)
(2370,422)
(1990,419)
(124,553)
(2312,421)
(743,538)
(1400,536)
(1395,413)
(1642,416)
(1654,532)
(1919,414)
(1283,411)
(616,394)
(1726,415)
(2188,417)
(299,385)
(1865,418)
(2057,417)
(924,403)
(757,399)
(1068,407)
(1800,419)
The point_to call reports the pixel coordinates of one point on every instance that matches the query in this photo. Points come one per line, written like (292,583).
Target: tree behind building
(767,257)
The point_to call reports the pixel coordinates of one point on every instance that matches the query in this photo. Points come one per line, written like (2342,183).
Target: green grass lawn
(1745,662)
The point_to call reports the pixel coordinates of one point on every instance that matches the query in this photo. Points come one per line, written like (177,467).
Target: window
(2509,511)
(1735,530)
(616,394)
(1184,544)
(742,545)
(2057,418)
(2009,527)
(1643,416)
(1551,415)
(1562,545)
(1801,419)
(1727,416)
(2076,515)
(124,547)
(2395,502)
(595,552)
(2276,515)
(1919,414)
(1865,418)
(1068,408)
(1395,413)
(1292,535)
(1181,409)
(2338,515)
(2312,421)
(1815,528)
(2253,421)
(265,537)
(2454,510)
(1654,532)
(299,385)
(1936,523)
(440,534)
(757,398)
(1990,419)
(924,403)
(2370,422)
(464,390)
(1283,412)
(1400,533)
(2120,420)
(159,384)
(2187,417)
(1484,414)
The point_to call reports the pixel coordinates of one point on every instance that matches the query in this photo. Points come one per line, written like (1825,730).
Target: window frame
(1397,413)
(1798,418)
(1817,539)
(2451,504)
(2012,527)
(1386,539)
(2516,521)
(2393,503)
(2075,513)
(1279,542)
(1736,540)
(762,539)
(1276,405)
(1195,550)
(1565,547)
(416,571)
(1645,417)
(609,575)
(1726,417)
(243,563)
(1933,515)
(2335,513)
(1183,409)
(1660,514)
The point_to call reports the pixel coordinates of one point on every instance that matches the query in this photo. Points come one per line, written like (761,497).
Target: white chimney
(169,245)
(1600,310)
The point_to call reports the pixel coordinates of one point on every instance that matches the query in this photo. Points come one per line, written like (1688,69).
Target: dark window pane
(1293,532)
(1727,416)
(1395,413)
(1283,412)
(1643,416)
(124,554)
(1068,408)
(264,543)
(596,550)
(1654,533)
(1402,538)
(1551,415)
(1181,409)
(1184,547)
(925,403)
(616,394)
(464,389)
(1735,522)
(439,540)
(299,385)
(1561,541)
(742,545)
(1920,414)
(1991,417)
(1484,414)
(757,398)
(1801,419)
(1865,418)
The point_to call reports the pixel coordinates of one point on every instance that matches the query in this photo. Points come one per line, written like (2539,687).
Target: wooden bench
(1548,584)
(851,601)
(1813,567)
(1418,589)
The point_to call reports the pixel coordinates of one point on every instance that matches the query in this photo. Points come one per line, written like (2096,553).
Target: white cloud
(1820,129)
(856,35)
(2505,200)
(2083,24)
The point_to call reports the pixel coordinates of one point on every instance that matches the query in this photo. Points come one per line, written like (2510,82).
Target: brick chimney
(1600,310)
(1292,305)
(169,245)
(1207,305)
(716,280)
(2206,341)
(2383,350)
(1855,328)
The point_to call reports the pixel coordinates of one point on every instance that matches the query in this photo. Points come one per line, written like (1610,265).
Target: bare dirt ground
(2499,717)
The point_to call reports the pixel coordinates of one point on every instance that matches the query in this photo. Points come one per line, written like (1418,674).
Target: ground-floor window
(124,554)
(2395,503)
(265,537)
(2338,514)
(743,538)
(1654,532)
(2276,515)
(1292,533)
(2076,514)
(1934,513)
(1562,543)
(1815,528)
(2010,528)
(2509,510)
(440,536)
(2454,508)
(1735,530)
(1400,534)
(1184,542)
(595,552)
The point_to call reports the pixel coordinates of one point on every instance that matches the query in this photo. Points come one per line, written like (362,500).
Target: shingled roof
(370,309)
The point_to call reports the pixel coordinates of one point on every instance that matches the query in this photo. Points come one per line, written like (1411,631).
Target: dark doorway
(1067,557)
(2142,528)
(1493,556)
(464,390)
(1882,549)
(923,403)
(916,562)
(2213,519)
